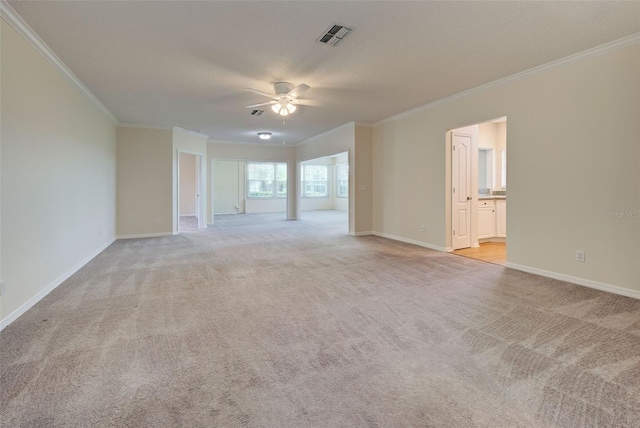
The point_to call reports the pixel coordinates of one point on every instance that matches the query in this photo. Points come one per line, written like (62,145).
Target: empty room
(319,214)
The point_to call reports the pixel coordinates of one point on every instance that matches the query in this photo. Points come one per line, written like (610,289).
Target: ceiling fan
(285,100)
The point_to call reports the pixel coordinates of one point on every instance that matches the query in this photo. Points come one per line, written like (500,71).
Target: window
(266,180)
(315,181)
(342,180)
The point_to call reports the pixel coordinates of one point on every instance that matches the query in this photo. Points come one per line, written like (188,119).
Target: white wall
(185,141)
(2,23)
(227,184)
(144,182)
(188,183)
(573,156)
(362,161)
(256,206)
(341,204)
(58,176)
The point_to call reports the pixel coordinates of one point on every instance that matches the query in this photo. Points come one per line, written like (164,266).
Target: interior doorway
(249,187)
(478,191)
(461,165)
(324,190)
(190,208)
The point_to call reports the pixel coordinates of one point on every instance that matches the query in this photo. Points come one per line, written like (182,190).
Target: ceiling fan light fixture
(264,135)
(284,108)
(285,100)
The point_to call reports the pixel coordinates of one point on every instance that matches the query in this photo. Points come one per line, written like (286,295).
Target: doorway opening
(324,191)
(190,209)
(249,187)
(478,191)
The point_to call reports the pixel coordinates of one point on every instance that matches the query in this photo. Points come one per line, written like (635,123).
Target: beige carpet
(262,322)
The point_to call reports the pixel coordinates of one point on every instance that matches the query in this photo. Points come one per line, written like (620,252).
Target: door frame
(474,180)
(200,207)
(473,171)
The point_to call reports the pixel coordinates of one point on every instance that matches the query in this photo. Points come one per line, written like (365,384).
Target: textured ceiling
(186,64)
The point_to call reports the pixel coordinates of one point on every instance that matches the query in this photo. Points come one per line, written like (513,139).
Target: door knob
(468,198)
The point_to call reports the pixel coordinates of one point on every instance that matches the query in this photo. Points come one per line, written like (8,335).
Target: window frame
(275,194)
(304,182)
(338,180)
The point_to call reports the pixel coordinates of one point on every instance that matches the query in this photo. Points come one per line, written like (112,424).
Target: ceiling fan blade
(260,93)
(298,90)
(262,104)
(311,103)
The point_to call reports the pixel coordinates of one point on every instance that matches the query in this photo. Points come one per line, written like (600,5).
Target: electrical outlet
(155,221)
(580,256)
(2,288)
(422,228)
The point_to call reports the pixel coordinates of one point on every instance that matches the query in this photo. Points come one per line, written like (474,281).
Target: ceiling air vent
(334,35)
(257,112)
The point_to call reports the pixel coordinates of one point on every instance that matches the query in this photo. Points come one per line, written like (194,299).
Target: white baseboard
(575,280)
(365,233)
(49,288)
(410,241)
(146,235)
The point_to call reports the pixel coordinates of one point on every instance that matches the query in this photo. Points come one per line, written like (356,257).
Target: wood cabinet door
(486,223)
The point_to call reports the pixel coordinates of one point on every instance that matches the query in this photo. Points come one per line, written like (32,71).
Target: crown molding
(17,23)
(364,124)
(322,134)
(589,53)
(188,131)
(143,126)
(265,143)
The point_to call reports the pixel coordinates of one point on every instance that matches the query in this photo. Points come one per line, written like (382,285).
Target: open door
(461,190)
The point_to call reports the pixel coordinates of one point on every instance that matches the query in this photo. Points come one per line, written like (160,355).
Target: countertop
(483,197)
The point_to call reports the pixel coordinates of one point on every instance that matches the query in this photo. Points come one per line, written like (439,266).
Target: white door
(461,197)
